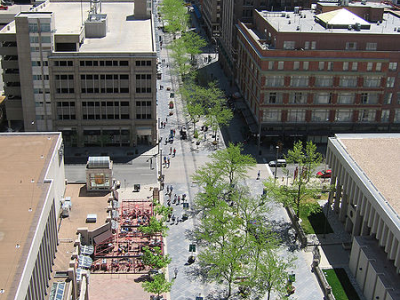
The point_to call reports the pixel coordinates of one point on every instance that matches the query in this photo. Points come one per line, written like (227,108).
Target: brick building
(306,73)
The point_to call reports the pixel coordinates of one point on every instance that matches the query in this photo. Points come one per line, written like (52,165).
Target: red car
(325,174)
(2,7)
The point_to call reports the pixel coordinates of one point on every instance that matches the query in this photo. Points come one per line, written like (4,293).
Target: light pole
(276,162)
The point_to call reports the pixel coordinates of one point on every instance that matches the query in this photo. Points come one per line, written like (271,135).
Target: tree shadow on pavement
(285,233)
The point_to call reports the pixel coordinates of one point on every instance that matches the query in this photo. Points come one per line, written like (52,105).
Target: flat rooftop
(378,155)
(304,22)
(124,32)
(24,160)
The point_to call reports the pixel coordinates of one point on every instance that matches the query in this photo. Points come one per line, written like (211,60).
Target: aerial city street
(167,149)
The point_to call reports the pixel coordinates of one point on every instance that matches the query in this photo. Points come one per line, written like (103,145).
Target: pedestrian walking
(165,160)
(176,272)
(169,162)
(174,152)
(258,175)
(166,120)
(167,189)
(171,188)
(151,163)
(174,132)
(170,150)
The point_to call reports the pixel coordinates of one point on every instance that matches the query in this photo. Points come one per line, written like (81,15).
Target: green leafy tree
(232,164)
(180,57)
(158,284)
(193,43)
(155,226)
(175,15)
(154,258)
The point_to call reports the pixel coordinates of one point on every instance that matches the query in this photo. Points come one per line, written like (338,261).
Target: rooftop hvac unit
(298,28)
(296,9)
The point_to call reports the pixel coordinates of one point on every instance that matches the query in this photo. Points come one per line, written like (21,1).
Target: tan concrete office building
(87,69)
(31,187)
(366,172)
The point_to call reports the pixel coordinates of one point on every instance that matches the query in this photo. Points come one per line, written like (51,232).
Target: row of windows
(36,63)
(328,66)
(103,103)
(291,45)
(325,98)
(40,77)
(43,39)
(44,27)
(327,81)
(101,63)
(62,116)
(324,115)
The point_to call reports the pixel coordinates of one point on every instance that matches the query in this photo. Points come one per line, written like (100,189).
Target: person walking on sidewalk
(169,162)
(174,152)
(258,175)
(170,150)
(175,272)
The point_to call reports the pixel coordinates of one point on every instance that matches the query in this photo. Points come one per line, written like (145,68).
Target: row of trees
(238,248)
(200,101)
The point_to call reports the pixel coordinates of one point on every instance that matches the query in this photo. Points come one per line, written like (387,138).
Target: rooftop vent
(398,29)
(349,27)
(298,28)
(283,15)
(296,9)
(289,22)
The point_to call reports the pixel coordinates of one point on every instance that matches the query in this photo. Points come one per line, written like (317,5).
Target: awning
(102,237)
(196,11)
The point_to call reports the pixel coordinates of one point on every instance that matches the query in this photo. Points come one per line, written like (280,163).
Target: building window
(354,66)
(274,81)
(273,98)
(387,98)
(371,46)
(321,66)
(270,65)
(385,114)
(372,82)
(348,81)
(345,98)
(320,115)
(369,66)
(288,45)
(324,81)
(63,63)
(369,98)
(345,66)
(378,67)
(296,115)
(366,115)
(398,97)
(390,82)
(64,84)
(392,66)
(143,83)
(330,66)
(344,115)
(298,98)
(271,115)
(313,45)
(351,46)
(281,65)
(322,98)
(305,65)
(299,81)
(396,115)
(296,65)
(66,110)
(307,45)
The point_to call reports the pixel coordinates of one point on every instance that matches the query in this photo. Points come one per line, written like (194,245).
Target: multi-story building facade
(91,76)
(243,10)
(310,74)
(33,184)
(212,10)
(366,201)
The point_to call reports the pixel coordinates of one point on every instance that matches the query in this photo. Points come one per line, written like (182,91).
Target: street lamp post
(276,163)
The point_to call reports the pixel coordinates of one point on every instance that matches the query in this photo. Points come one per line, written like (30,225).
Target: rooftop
(124,32)
(378,156)
(305,21)
(24,159)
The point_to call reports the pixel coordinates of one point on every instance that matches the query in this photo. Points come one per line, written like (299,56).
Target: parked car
(2,7)
(277,163)
(325,173)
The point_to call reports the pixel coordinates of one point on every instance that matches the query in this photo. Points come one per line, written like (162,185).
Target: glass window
(296,115)
(385,114)
(271,115)
(288,45)
(345,98)
(321,66)
(306,45)
(392,66)
(369,66)
(348,81)
(351,46)
(397,115)
(298,98)
(372,81)
(305,65)
(366,115)
(274,81)
(281,65)
(371,46)
(324,81)
(322,98)
(345,66)
(270,65)
(387,98)
(296,65)
(390,82)
(378,67)
(354,66)
(273,98)
(299,81)
(313,45)
(320,115)
(369,98)
(344,115)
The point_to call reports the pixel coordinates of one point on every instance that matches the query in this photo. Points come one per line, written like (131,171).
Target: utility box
(99,172)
